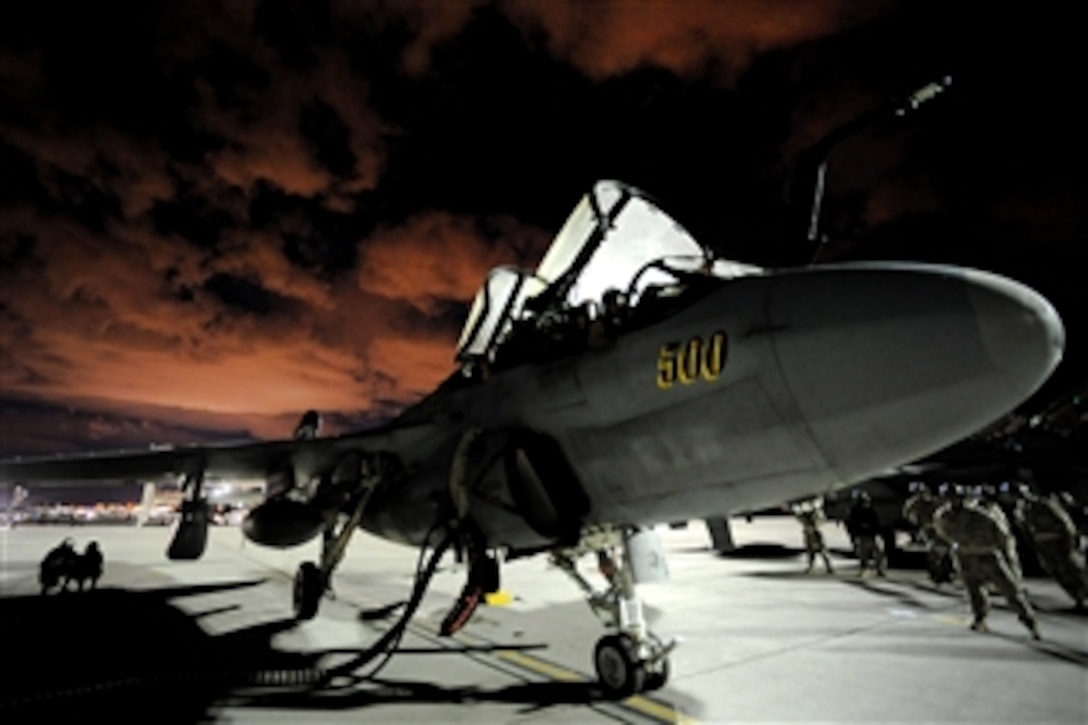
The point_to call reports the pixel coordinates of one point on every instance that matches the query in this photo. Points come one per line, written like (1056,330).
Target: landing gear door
(646,556)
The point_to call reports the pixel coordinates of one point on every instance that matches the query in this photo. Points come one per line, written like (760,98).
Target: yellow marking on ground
(540,666)
(498,599)
(658,710)
(651,708)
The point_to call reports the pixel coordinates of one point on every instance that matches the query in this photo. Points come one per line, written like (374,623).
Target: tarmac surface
(761,641)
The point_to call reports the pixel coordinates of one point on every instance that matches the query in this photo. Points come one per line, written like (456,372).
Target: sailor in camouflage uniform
(919,510)
(1054,538)
(810,514)
(981,548)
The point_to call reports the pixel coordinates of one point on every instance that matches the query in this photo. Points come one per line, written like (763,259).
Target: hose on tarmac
(389,642)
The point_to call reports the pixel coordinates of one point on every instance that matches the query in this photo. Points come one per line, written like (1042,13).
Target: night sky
(215,216)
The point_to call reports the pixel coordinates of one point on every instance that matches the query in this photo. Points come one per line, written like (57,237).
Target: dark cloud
(215,216)
(613,37)
(36,426)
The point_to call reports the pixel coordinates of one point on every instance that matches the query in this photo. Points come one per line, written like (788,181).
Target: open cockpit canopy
(616,239)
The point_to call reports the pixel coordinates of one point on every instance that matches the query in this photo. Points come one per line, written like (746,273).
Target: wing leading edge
(257,460)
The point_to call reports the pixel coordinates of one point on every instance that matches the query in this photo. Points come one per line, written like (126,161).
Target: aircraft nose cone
(889,362)
(1020,330)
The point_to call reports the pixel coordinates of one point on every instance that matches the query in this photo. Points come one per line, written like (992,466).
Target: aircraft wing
(250,460)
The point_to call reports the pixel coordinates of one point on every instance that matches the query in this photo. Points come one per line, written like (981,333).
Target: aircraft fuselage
(754,391)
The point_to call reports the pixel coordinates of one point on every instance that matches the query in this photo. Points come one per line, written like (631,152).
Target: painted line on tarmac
(656,710)
(641,704)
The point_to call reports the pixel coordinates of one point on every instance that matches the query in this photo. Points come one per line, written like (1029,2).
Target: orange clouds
(95,322)
(609,37)
(217,239)
(265,143)
(417,364)
(431,21)
(256,255)
(437,256)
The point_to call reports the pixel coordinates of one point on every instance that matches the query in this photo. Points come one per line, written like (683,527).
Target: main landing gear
(312,578)
(309,587)
(631,659)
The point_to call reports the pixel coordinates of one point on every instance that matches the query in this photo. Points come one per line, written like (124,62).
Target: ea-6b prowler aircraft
(632,379)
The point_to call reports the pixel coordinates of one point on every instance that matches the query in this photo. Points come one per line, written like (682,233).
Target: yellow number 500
(685,363)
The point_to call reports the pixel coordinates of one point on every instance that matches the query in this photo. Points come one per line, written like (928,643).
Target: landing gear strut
(312,578)
(191,535)
(631,659)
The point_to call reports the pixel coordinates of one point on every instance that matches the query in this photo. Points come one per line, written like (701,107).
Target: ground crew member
(863,525)
(981,549)
(56,567)
(919,510)
(987,497)
(1053,537)
(90,566)
(810,514)
(1078,514)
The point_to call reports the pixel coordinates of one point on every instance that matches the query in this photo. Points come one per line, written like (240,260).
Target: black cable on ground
(389,642)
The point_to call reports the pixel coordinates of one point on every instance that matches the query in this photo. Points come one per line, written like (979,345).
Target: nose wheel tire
(657,675)
(619,670)
(308,589)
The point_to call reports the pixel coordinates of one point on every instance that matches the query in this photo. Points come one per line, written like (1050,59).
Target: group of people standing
(863,525)
(63,565)
(968,533)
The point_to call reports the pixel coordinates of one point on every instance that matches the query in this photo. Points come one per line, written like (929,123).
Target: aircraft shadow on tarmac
(133,655)
(114,651)
(974,646)
(762,551)
(377,691)
(894,589)
(771,551)
(891,587)
(900,591)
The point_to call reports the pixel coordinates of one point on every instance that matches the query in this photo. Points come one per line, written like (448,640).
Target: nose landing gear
(631,659)
(624,671)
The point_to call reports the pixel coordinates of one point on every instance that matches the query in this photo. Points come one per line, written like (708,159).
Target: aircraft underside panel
(689,459)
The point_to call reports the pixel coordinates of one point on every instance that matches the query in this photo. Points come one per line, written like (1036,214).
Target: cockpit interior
(618,263)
